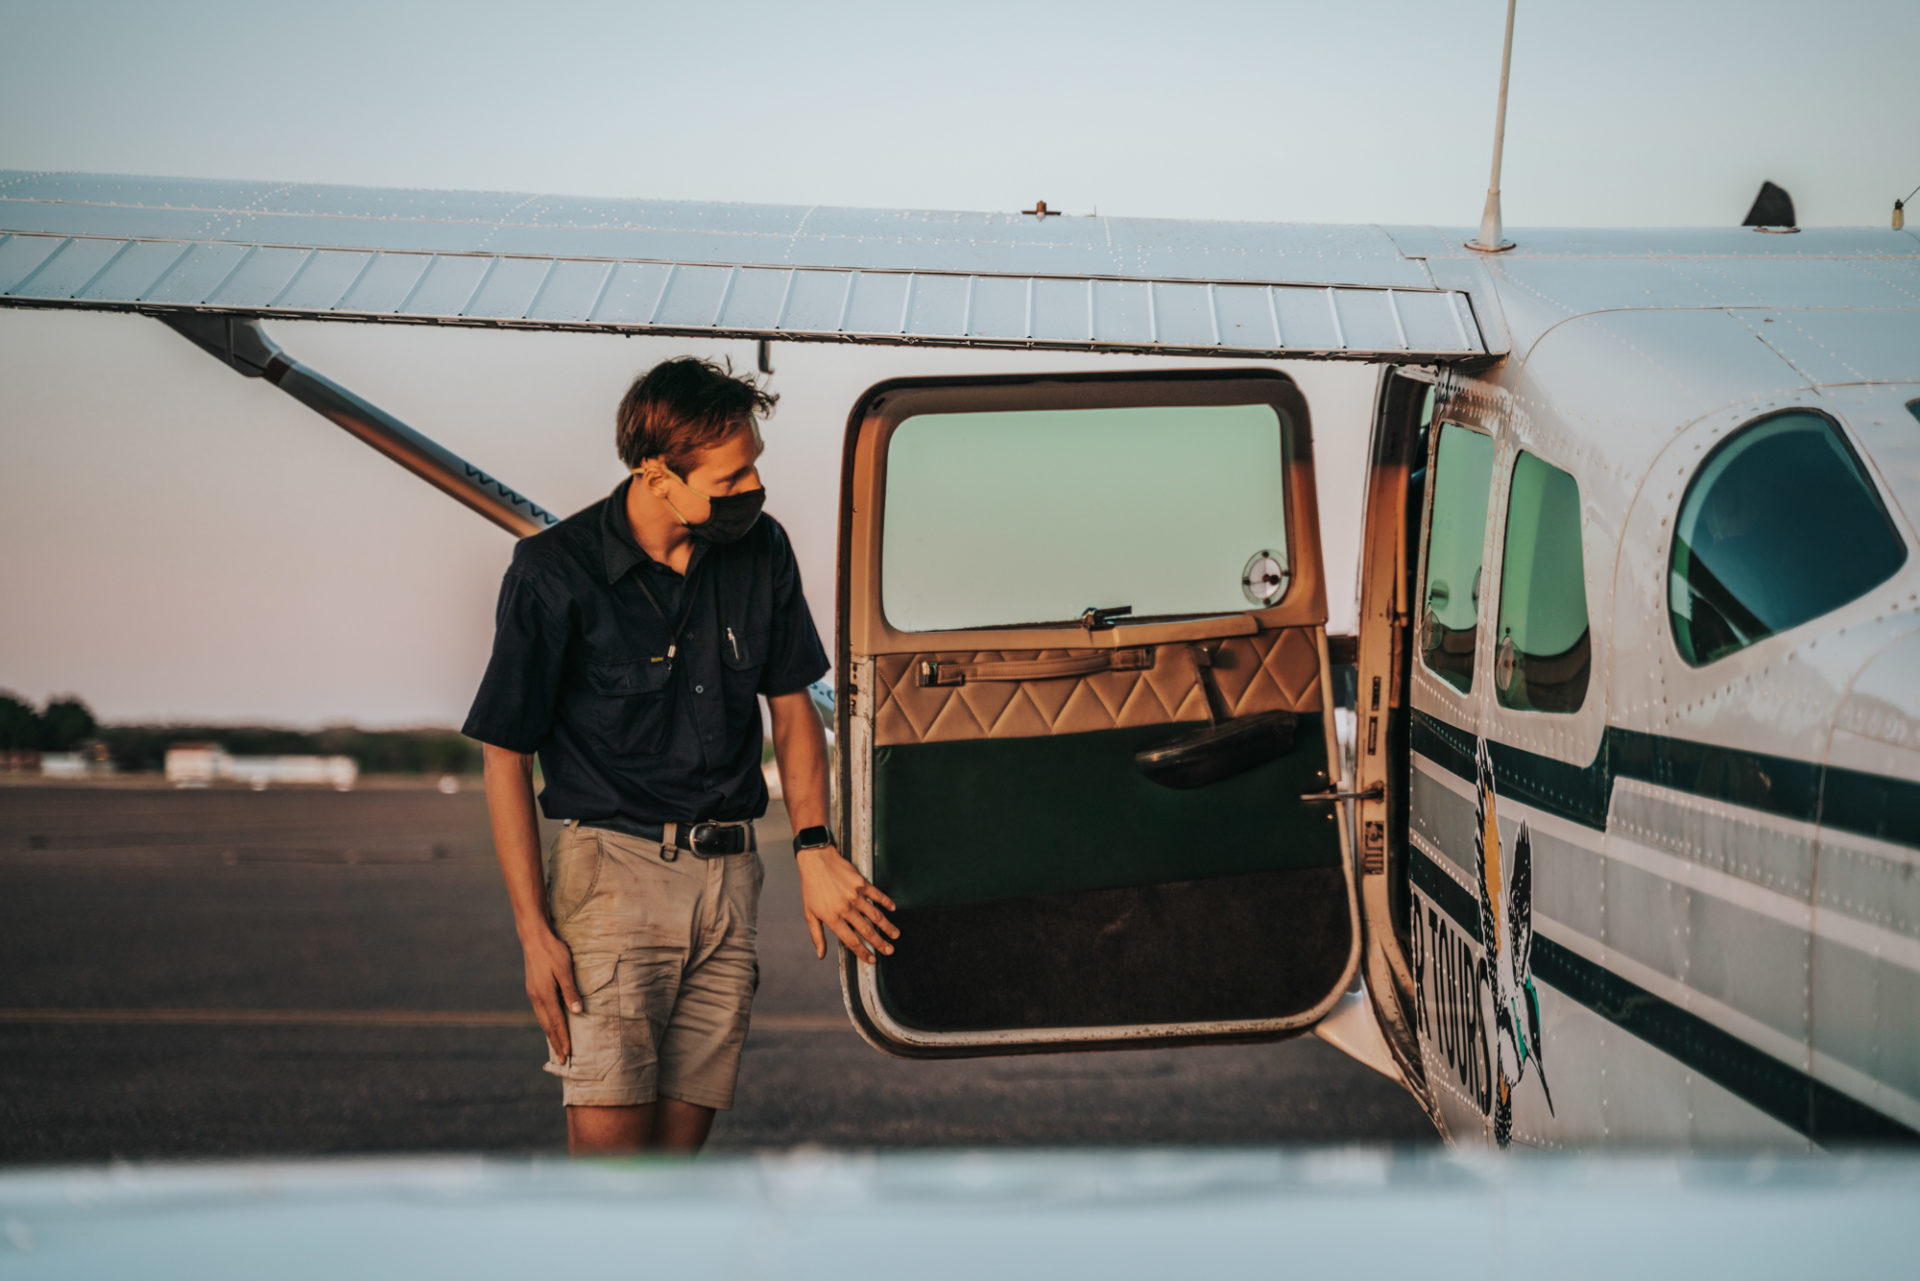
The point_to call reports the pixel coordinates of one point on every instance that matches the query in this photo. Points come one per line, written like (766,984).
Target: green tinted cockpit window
(1035,516)
(1779,526)
(1462,475)
(1545,651)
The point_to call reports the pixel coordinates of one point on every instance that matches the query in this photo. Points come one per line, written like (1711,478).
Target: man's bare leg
(608,1131)
(679,1126)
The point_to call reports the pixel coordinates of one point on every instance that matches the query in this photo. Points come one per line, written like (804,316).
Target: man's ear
(653,474)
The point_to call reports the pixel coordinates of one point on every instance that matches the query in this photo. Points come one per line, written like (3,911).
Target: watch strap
(809,838)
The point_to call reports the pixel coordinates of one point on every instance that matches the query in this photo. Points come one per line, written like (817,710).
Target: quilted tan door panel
(1266,672)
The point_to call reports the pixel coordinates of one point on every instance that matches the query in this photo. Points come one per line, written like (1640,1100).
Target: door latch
(1096,618)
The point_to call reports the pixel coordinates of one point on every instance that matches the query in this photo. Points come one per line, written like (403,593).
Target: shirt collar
(619,550)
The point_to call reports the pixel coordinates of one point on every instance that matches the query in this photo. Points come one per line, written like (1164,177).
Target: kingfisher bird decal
(1506,935)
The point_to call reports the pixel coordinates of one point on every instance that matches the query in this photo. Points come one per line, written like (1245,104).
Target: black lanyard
(674,629)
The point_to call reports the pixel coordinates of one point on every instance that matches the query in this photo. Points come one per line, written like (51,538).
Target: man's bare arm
(516,839)
(833,894)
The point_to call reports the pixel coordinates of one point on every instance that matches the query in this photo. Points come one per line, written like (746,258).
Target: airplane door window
(1462,477)
(1545,652)
(1779,526)
(1035,515)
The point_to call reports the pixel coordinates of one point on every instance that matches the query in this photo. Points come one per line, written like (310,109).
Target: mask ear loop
(640,473)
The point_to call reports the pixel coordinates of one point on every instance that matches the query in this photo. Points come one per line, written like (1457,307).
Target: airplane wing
(260,250)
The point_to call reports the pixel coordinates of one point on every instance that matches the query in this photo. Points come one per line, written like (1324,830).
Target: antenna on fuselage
(1491,240)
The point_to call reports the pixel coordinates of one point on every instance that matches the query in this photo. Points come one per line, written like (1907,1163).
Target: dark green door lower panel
(1270,945)
(991,819)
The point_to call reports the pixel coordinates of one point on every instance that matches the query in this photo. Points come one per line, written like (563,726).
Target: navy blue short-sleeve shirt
(580,672)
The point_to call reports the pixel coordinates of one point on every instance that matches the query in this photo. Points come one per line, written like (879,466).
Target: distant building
(201,764)
(92,758)
(63,765)
(195,764)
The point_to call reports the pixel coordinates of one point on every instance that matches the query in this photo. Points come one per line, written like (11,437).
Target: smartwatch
(811,838)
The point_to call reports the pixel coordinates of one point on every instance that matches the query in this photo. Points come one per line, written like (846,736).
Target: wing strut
(240,343)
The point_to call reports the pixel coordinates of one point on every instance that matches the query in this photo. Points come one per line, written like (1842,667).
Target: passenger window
(1463,473)
(1034,516)
(1779,526)
(1545,649)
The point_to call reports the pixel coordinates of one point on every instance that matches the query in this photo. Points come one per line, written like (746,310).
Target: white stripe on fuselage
(1835,926)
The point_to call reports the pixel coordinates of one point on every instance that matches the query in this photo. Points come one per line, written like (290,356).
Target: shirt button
(699,689)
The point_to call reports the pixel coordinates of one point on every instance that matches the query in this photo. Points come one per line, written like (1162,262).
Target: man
(632,642)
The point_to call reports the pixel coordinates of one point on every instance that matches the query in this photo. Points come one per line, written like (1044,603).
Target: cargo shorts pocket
(575,870)
(649,981)
(595,1034)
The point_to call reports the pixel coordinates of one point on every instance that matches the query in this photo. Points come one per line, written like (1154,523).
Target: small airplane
(1604,826)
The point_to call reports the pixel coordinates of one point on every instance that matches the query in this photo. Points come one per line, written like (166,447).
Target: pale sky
(184,543)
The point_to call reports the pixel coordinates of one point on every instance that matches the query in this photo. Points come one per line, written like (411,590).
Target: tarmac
(291,972)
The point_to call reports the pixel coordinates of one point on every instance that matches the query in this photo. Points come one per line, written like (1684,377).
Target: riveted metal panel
(1307,320)
(754,300)
(877,304)
(1431,321)
(1244,317)
(447,286)
(1120,312)
(515,224)
(195,276)
(568,293)
(1367,321)
(1182,315)
(818,300)
(68,270)
(1060,311)
(999,306)
(323,280)
(634,294)
(937,306)
(259,278)
(693,297)
(383,283)
(21,256)
(134,270)
(509,286)
(1842,346)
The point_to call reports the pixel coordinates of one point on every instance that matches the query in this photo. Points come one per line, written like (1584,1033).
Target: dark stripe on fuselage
(1782,1091)
(1845,800)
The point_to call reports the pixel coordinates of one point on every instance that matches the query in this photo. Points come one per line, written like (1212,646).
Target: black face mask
(729,516)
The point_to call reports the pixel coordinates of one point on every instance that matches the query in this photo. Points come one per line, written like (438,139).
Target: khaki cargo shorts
(664,957)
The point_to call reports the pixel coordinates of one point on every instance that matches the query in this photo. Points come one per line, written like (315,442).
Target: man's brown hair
(684,405)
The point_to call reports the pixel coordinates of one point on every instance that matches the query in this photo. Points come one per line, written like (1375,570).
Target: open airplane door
(1086,731)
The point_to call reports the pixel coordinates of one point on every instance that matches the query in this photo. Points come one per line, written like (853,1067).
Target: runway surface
(291,972)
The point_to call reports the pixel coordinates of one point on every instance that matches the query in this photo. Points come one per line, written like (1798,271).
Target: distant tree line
(66,724)
(62,727)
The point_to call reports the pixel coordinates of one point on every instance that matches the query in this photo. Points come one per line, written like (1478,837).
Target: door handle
(947,671)
(1377,792)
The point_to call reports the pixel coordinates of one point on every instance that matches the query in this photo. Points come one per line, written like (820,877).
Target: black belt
(702,840)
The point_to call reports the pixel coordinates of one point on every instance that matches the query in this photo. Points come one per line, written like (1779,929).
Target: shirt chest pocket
(626,707)
(744,622)
(743,649)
